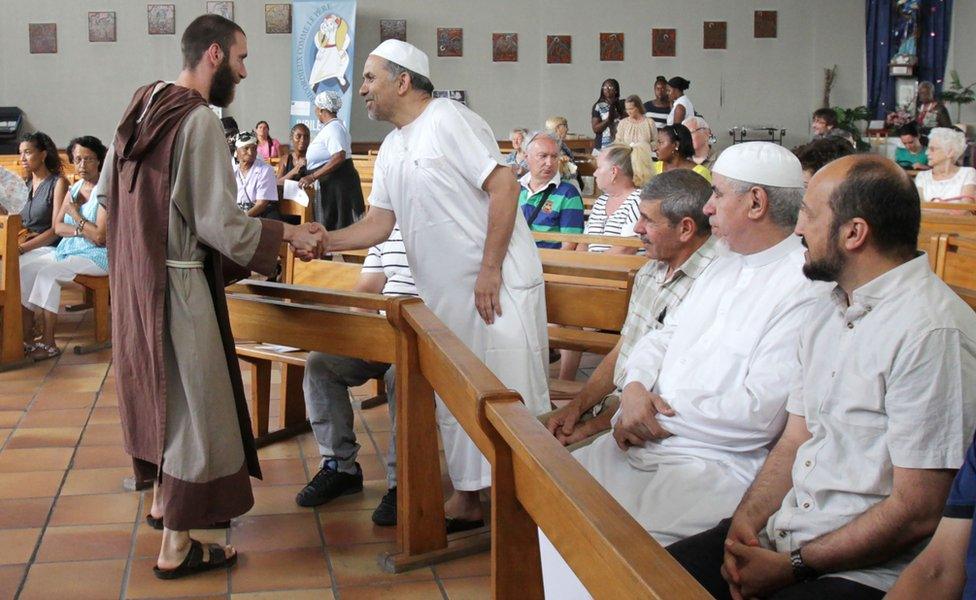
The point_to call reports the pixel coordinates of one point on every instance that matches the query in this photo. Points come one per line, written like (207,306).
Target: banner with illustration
(322,43)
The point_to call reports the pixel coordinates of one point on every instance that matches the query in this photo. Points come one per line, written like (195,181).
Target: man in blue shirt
(548,203)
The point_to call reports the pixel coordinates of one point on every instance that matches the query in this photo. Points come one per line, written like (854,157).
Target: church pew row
(11,325)
(953,259)
(535,480)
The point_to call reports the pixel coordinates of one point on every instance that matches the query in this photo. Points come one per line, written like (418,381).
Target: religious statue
(332,58)
(906,31)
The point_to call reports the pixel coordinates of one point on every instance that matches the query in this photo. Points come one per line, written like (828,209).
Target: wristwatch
(802,571)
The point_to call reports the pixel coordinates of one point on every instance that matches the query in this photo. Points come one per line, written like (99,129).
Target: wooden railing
(535,480)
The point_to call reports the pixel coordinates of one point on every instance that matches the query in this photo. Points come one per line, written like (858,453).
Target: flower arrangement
(897,118)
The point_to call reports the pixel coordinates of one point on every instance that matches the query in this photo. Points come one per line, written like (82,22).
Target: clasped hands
(751,570)
(638,417)
(309,240)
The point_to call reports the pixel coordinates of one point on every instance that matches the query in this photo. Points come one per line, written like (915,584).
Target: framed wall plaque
(559,49)
(277,18)
(663,42)
(715,35)
(450,41)
(611,46)
(162,19)
(223,8)
(765,24)
(43,38)
(101,27)
(504,47)
(393,29)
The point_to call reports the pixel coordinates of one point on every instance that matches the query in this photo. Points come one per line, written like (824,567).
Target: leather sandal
(194,563)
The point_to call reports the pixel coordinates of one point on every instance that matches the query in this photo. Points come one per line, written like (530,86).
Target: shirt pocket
(430,192)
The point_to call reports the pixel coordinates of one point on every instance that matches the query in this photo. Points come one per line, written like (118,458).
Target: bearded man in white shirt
(704,396)
(880,414)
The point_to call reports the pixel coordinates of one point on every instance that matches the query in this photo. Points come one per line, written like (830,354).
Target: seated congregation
(787,407)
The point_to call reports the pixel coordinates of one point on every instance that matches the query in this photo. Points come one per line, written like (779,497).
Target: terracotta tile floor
(68,530)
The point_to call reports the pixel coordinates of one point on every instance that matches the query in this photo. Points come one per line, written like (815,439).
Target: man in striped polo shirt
(549,204)
(327,381)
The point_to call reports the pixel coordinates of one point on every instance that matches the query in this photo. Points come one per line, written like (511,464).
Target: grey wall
(962,53)
(84,87)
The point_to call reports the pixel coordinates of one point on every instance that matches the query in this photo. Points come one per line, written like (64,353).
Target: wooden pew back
(954,262)
(11,329)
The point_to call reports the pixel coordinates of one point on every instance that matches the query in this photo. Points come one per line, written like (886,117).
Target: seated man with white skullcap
(705,395)
(339,202)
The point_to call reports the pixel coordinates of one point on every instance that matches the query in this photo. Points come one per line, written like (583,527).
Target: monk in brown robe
(170,196)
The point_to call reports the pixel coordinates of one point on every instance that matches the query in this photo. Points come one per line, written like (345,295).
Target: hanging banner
(322,43)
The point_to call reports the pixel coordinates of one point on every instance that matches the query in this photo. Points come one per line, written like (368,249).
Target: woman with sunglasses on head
(339,202)
(80,225)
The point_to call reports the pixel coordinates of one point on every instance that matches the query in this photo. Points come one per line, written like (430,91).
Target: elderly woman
(636,128)
(257,190)
(681,106)
(912,153)
(675,150)
(701,138)
(294,167)
(516,159)
(945,181)
(340,199)
(268,147)
(80,222)
(929,111)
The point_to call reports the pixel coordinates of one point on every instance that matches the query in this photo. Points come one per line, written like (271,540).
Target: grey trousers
(326,385)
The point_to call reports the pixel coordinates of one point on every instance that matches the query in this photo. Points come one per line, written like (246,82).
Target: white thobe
(724,362)
(430,173)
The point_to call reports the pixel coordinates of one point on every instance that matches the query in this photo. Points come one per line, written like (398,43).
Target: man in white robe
(440,176)
(705,395)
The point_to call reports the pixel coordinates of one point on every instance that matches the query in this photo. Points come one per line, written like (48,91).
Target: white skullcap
(329,100)
(404,54)
(245,138)
(764,163)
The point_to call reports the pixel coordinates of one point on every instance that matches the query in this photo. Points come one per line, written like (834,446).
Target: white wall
(85,87)
(962,53)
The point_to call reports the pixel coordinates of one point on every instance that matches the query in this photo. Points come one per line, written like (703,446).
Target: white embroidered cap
(404,54)
(329,100)
(764,163)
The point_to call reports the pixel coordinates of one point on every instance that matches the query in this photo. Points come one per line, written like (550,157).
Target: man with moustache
(705,395)
(880,413)
(169,191)
(439,175)
(677,239)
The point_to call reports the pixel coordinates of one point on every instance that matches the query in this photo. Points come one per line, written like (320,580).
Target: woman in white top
(339,202)
(620,172)
(945,181)
(681,106)
(636,128)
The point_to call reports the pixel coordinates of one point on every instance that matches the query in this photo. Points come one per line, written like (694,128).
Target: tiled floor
(69,530)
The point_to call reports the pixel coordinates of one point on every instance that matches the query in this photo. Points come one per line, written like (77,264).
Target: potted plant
(847,119)
(957,94)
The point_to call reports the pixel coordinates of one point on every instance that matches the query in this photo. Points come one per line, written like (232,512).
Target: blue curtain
(935,20)
(880,49)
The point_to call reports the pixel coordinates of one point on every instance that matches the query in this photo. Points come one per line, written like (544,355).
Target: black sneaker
(385,514)
(328,484)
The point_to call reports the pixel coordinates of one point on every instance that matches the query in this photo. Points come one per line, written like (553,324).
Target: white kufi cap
(404,54)
(329,100)
(763,163)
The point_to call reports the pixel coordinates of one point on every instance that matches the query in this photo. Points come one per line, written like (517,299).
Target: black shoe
(386,513)
(328,484)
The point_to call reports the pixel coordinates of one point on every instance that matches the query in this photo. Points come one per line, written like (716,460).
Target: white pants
(42,275)
(674,498)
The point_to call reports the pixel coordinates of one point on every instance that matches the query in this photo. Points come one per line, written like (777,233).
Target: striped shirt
(561,213)
(655,295)
(658,115)
(620,223)
(390,259)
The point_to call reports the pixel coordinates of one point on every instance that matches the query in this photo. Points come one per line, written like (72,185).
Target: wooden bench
(97,299)
(11,317)
(935,220)
(953,259)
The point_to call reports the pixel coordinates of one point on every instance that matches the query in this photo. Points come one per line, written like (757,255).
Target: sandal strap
(194,557)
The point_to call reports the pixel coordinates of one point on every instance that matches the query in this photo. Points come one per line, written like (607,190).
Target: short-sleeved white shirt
(689,109)
(931,190)
(620,223)
(886,381)
(258,184)
(332,138)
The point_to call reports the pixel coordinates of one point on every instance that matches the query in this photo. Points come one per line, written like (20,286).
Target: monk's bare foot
(175,547)
(465,506)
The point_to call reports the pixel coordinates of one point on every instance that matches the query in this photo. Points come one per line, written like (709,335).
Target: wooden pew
(96,298)
(11,318)
(953,259)
(936,220)
(582,238)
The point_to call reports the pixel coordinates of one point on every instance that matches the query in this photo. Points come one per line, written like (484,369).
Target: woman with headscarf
(340,199)
(257,191)
(681,106)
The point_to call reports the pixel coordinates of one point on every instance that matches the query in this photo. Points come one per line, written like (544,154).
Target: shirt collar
(527,178)
(891,283)
(774,253)
(693,265)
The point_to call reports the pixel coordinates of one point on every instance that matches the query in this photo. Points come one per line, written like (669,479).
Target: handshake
(309,240)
